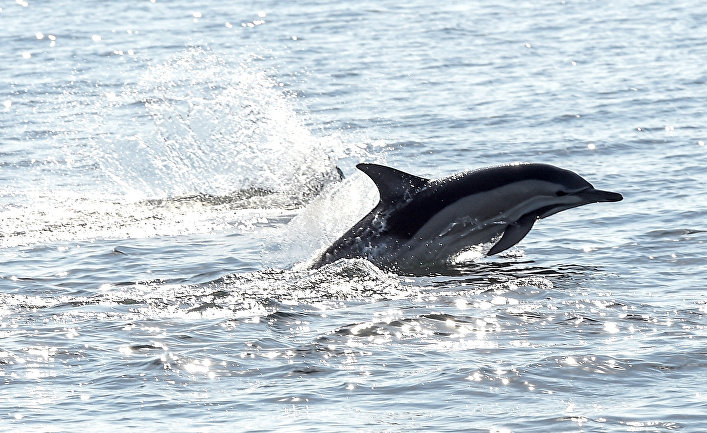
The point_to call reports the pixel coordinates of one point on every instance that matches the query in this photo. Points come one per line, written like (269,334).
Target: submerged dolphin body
(420,222)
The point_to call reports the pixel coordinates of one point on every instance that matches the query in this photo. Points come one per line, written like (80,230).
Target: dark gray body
(420,222)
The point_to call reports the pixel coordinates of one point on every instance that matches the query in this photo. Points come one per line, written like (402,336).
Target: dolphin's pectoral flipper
(514,233)
(393,185)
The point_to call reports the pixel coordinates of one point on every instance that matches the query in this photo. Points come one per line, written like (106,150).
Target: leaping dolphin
(420,222)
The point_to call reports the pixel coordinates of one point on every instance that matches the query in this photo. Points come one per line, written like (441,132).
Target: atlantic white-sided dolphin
(421,222)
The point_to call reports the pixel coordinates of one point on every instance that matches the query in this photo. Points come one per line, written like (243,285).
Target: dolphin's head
(564,189)
(532,191)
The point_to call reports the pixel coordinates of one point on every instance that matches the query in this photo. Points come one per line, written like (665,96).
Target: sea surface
(168,167)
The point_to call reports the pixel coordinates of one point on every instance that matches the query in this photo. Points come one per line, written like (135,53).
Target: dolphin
(420,223)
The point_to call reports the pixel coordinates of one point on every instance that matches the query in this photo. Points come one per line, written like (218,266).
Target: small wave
(345,280)
(44,220)
(231,297)
(674,233)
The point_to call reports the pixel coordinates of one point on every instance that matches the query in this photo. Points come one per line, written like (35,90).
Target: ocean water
(167,166)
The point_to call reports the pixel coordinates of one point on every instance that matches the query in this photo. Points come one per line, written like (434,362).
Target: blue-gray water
(165,166)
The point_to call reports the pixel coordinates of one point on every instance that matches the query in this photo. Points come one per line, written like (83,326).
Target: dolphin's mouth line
(593,195)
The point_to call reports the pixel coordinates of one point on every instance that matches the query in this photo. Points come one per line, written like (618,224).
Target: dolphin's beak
(591,195)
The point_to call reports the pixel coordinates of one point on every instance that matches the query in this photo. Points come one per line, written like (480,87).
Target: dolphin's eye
(561,193)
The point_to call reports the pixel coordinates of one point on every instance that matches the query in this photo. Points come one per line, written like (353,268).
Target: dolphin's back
(440,193)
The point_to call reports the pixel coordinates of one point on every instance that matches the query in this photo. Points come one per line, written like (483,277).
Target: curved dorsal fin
(392,184)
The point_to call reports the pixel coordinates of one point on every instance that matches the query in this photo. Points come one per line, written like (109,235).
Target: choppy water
(165,166)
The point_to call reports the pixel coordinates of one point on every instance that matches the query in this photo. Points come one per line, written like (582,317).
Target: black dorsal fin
(393,185)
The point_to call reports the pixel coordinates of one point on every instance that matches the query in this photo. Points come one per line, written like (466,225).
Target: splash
(198,143)
(322,221)
(218,127)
